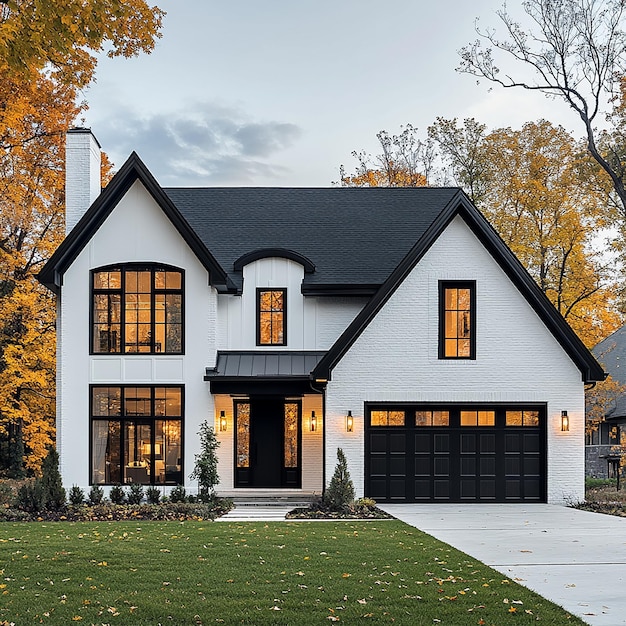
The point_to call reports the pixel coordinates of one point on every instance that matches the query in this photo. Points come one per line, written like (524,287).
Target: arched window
(137,309)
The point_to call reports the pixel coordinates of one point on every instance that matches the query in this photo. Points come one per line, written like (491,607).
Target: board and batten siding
(137,230)
(312,323)
(518,359)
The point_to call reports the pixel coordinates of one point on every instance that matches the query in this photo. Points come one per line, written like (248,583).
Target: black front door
(267,445)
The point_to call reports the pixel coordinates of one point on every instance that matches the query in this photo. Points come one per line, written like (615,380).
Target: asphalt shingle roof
(611,353)
(353,236)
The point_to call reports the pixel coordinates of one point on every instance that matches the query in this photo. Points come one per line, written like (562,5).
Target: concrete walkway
(574,558)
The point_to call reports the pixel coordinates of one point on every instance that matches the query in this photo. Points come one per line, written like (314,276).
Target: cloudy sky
(280,92)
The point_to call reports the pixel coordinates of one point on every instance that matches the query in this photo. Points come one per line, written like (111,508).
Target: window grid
(136,434)
(457,323)
(271,317)
(137,310)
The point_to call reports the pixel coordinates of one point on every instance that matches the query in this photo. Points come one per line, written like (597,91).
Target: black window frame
(151,419)
(123,268)
(259,292)
(457,284)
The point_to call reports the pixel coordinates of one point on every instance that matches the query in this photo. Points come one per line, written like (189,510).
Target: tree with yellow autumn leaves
(47,53)
(535,187)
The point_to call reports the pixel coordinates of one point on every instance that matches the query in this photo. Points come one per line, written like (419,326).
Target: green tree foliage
(340,492)
(205,470)
(547,200)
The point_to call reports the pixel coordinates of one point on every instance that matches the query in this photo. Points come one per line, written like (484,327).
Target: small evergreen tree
(340,492)
(96,495)
(153,495)
(16,451)
(135,494)
(205,470)
(51,482)
(117,494)
(76,495)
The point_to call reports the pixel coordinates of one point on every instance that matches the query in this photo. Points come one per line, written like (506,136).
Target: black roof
(354,237)
(351,241)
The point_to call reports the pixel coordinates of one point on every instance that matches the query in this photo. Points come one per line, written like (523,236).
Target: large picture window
(457,320)
(137,309)
(136,435)
(272,317)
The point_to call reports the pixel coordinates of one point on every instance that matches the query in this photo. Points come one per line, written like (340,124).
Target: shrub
(365,503)
(205,470)
(6,494)
(340,492)
(135,494)
(54,493)
(96,495)
(76,495)
(153,495)
(178,494)
(31,497)
(117,494)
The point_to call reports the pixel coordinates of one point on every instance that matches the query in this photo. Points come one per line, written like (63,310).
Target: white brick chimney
(82,174)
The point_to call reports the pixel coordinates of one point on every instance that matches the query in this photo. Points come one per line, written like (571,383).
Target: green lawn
(153,573)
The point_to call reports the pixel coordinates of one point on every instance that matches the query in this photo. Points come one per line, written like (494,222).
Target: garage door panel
(423,443)
(397,442)
(397,465)
(441,443)
(532,443)
(422,490)
(468,489)
(378,442)
(422,466)
(488,466)
(468,443)
(487,443)
(441,489)
(513,489)
(442,466)
(487,489)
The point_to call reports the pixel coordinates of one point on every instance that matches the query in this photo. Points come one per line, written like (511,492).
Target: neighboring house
(392,323)
(605,437)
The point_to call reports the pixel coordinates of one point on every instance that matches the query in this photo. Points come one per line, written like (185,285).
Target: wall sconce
(313,422)
(564,421)
(222,422)
(349,422)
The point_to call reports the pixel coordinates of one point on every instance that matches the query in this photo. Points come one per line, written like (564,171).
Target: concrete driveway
(575,558)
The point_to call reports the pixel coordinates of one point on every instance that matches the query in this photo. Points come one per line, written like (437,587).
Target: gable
(133,170)
(503,257)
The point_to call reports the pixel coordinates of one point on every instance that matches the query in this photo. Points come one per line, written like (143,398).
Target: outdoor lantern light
(313,422)
(349,422)
(222,421)
(564,421)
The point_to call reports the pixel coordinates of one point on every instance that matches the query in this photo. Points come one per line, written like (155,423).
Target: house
(391,323)
(604,437)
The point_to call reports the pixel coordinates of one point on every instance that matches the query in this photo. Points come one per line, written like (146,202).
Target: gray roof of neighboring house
(611,354)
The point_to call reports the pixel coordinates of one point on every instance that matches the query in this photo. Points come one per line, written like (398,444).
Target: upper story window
(271,317)
(457,320)
(137,309)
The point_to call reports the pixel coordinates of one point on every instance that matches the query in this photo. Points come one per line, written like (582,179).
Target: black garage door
(455,453)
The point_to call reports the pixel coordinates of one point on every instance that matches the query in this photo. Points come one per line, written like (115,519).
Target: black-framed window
(271,317)
(457,320)
(137,309)
(136,434)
